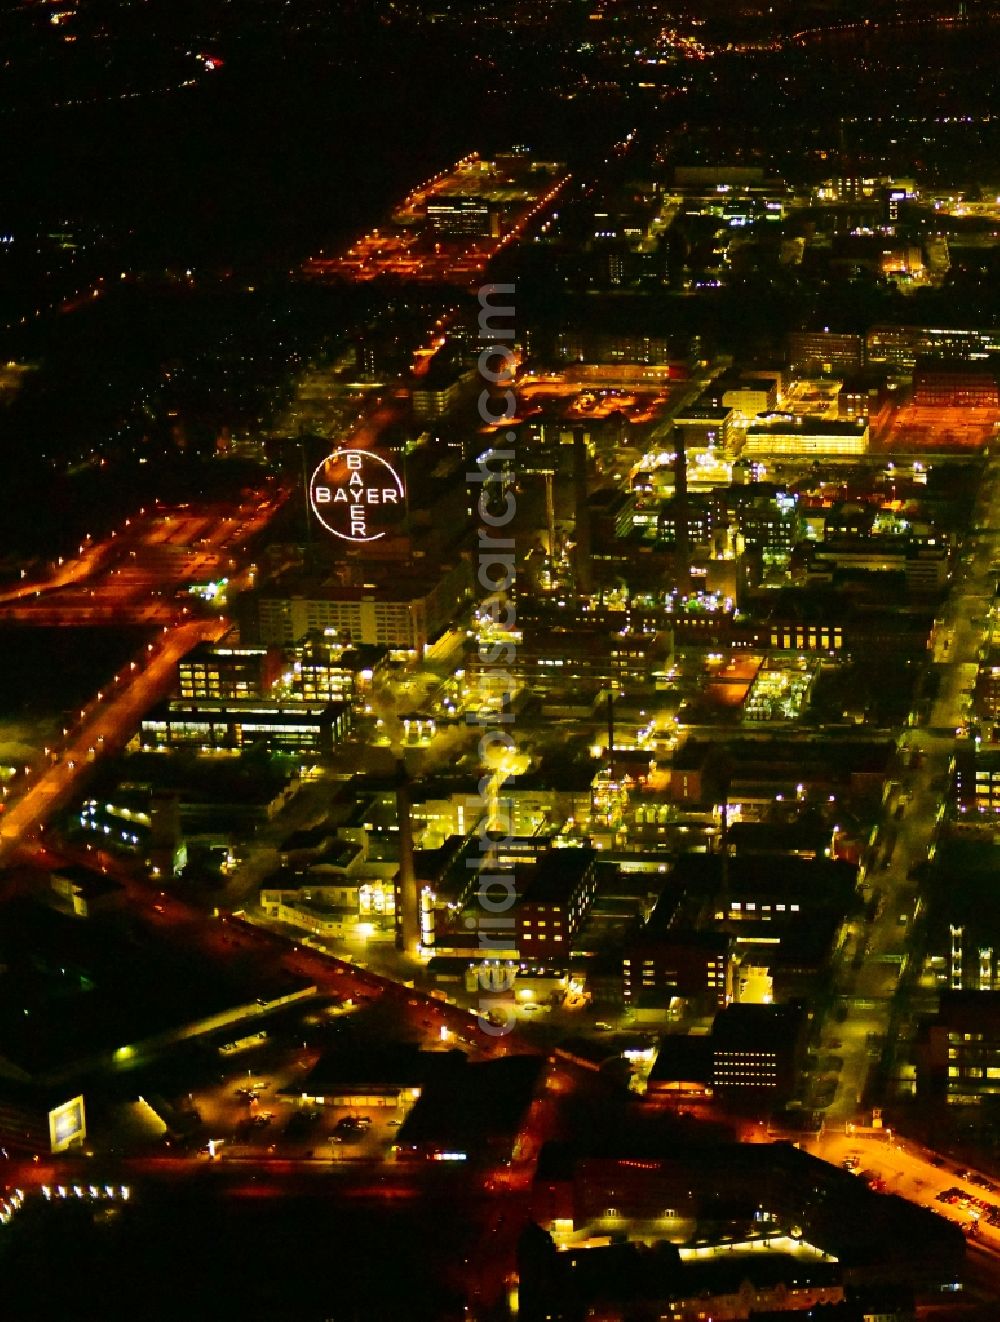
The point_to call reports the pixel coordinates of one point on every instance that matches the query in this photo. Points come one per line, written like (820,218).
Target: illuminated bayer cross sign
(356,495)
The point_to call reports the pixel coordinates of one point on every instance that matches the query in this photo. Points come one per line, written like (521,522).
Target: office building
(782,435)
(695,518)
(213,724)
(456,217)
(977,780)
(327,672)
(556,894)
(706,426)
(767,517)
(746,396)
(988,688)
(659,965)
(818,619)
(858,400)
(330,900)
(555,652)
(902,346)
(941,383)
(227,672)
(821,353)
(958,1049)
(922,563)
(750,396)
(593,345)
(757,1051)
(435,394)
(140,822)
(794,636)
(404,610)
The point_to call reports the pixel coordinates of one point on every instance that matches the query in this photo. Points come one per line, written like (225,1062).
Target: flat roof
(203,651)
(394,1065)
(682,1058)
(555,873)
(253,707)
(819,878)
(756,1025)
(78,990)
(90,885)
(704,413)
(467,1107)
(769,423)
(308,837)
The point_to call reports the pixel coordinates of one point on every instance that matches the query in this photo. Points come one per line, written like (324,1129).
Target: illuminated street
(143,573)
(500,662)
(103,727)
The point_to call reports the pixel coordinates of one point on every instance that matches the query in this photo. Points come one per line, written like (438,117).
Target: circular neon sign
(349,490)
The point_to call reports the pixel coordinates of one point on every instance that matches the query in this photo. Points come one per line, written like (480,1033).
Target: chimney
(408,920)
(611,734)
(583,566)
(682,542)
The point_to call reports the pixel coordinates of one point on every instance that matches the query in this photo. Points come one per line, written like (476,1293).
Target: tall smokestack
(408,926)
(682,543)
(550,515)
(583,566)
(306,504)
(724,840)
(611,734)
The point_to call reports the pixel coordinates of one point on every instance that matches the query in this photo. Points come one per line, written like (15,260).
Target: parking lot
(900,1167)
(257,1104)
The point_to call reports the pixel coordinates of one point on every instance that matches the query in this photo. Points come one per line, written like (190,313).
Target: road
(868,992)
(107,725)
(409,248)
(142,570)
(74,570)
(919,1175)
(134,577)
